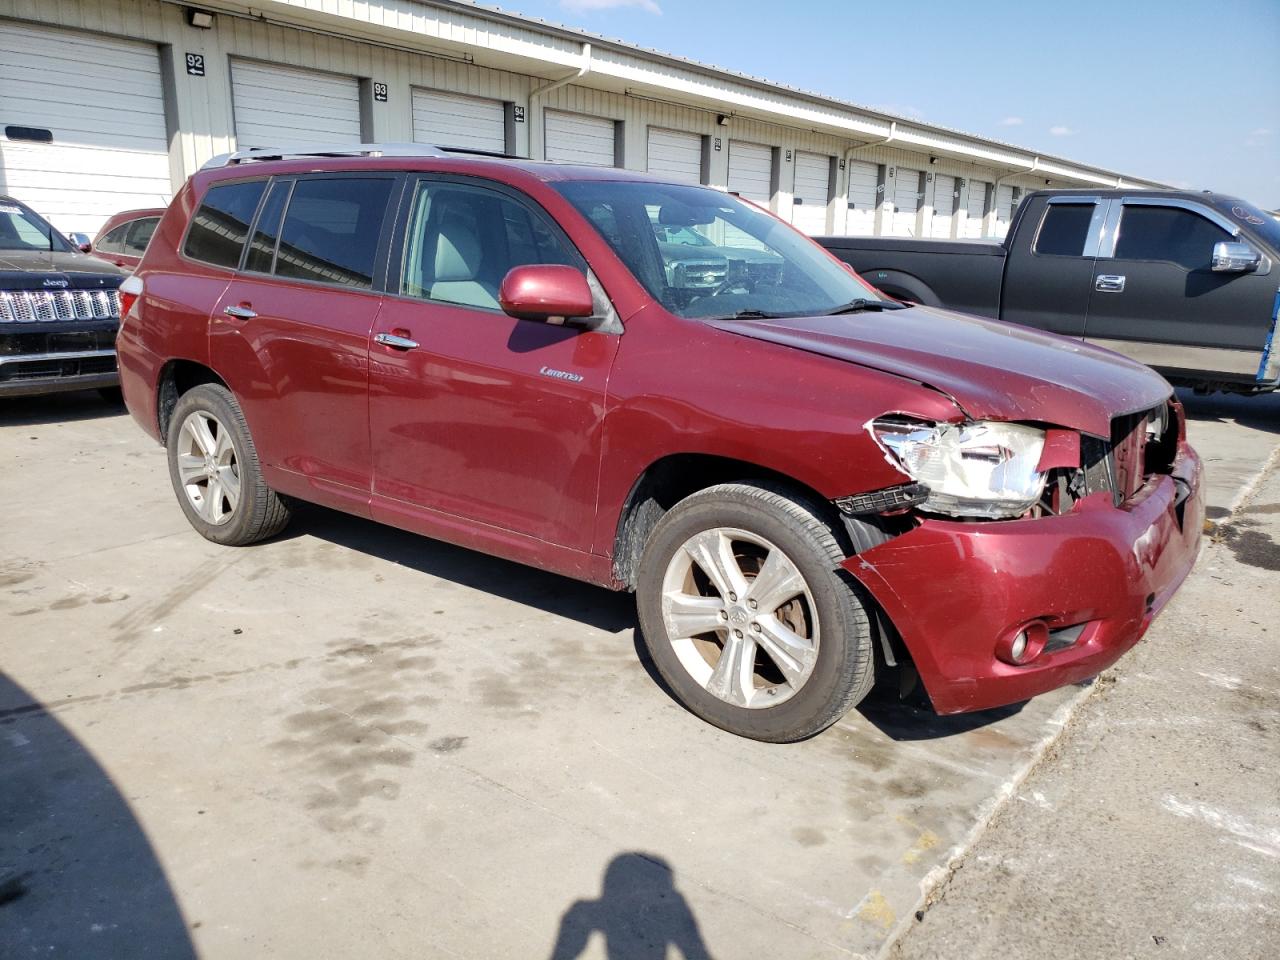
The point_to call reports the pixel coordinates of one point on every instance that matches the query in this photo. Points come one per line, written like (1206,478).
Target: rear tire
(777,649)
(215,471)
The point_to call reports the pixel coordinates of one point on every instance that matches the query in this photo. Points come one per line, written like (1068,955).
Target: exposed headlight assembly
(977,469)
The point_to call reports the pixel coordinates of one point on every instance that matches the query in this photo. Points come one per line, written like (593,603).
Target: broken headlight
(976,469)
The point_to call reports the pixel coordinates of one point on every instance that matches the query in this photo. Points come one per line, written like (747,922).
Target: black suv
(59,309)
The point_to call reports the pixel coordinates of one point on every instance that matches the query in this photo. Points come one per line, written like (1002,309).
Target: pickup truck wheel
(745,617)
(214,468)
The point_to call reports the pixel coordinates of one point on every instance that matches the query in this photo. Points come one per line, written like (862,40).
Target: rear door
(1048,276)
(1157,299)
(906,202)
(751,172)
(812,193)
(864,195)
(487,419)
(293,328)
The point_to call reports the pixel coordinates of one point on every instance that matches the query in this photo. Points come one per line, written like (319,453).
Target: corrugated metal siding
(944,206)
(283,106)
(751,171)
(453,120)
(109,152)
(674,155)
(862,198)
(906,202)
(576,138)
(813,187)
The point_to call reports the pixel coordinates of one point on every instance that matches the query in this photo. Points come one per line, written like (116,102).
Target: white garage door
(751,172)
(863,178)
(906,201)
(944,206)
(676,156)
(577,138)
(101,101)
(286,107)
(976,208)
(813,190)
(453,120)
(1004,209)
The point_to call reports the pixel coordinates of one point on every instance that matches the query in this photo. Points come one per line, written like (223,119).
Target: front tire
(746,617)
(215,471)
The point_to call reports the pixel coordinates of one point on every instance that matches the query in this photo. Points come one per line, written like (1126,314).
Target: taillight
(130,291)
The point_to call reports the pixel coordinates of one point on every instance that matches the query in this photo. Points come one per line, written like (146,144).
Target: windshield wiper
(862,303)
(754,315)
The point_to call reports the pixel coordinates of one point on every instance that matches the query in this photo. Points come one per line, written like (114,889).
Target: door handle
(240,313)
(395,341)
(1109,283)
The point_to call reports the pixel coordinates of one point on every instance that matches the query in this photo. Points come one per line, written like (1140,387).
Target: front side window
(1065,229)
(332,228)
(1168,233)
(139,235)
(703,253)
(221,224)
(20,229)
(463,240)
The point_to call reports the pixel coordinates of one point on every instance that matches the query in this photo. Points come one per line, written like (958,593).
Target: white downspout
(989,228)
(848,158)
(536,125)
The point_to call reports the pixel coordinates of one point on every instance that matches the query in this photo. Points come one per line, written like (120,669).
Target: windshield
(1257,222)
(20,229)
(705,254)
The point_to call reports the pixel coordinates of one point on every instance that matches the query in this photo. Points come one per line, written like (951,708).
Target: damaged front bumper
(1096,577)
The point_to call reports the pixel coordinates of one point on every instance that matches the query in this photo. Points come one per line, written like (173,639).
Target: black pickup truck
(59,309)
(1185,282)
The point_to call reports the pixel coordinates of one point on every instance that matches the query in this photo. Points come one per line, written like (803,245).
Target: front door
(1157,299)
(474,414)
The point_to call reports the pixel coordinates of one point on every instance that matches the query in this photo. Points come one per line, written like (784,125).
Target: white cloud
(1061,131)
(1261,132)
(579,6)
(1011,122)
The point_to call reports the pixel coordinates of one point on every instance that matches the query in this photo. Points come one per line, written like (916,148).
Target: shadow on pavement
(639,913)
(1259,413)
(78,877)
(572,599)
(58,408)
(913,719)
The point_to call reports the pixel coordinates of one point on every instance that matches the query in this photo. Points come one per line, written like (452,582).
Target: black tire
(259,513)
(844,669)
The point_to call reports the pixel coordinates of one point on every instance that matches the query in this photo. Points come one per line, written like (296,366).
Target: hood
(55,269)
(993,370)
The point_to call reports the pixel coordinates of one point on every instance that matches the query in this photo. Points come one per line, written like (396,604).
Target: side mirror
(1231,257)
(81,241)
(547,292)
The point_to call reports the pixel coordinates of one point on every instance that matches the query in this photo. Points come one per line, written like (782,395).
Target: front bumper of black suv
(51,357)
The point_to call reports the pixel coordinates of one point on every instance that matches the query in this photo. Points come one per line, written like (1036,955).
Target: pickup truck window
(1064,229)
(463,240)
(1167,233)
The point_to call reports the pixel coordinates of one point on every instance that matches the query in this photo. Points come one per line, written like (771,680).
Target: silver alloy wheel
(208,468)
(740,617)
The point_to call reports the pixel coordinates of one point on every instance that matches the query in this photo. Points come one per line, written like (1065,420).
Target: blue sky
(1180,91)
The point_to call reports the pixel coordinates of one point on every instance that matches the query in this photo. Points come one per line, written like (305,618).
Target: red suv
(800,479)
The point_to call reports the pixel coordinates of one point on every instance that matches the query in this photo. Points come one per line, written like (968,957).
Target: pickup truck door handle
(1109,283)
(240,313)
(395,340)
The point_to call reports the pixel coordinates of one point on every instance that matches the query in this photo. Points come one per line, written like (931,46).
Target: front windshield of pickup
(705,254)
(1252,219)
(20,229)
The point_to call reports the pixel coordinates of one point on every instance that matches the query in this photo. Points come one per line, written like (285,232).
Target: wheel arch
(177,376)
(903,286)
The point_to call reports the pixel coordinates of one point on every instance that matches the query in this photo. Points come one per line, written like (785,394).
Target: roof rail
(338,150)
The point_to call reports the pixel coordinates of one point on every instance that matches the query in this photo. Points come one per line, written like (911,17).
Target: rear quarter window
(221,223)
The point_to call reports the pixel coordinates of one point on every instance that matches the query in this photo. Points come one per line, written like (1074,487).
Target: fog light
(1023,644)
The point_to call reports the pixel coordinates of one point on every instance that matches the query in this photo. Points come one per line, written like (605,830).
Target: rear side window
(221,225)
(1064,229)
(1168,233)
(262,249)
(113,242)
(140,232)
(331,230)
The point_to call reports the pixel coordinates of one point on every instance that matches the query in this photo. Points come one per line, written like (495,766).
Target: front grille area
(41,306)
